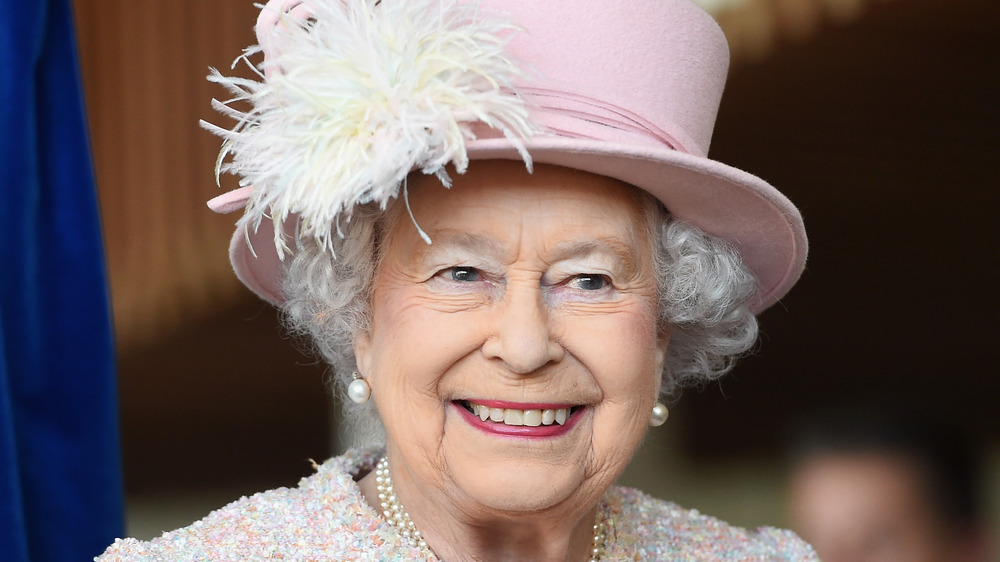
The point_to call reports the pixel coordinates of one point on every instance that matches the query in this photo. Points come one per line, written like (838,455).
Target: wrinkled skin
(537,288)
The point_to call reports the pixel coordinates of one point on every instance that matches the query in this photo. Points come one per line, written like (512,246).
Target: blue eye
(591,282)
(464,274)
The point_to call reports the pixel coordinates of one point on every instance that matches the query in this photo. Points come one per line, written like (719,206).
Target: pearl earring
(659,415)
(358,391)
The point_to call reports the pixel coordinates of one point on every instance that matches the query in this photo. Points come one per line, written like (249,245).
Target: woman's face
(537,293)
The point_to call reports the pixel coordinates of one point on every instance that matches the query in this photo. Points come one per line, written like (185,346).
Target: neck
(457,534)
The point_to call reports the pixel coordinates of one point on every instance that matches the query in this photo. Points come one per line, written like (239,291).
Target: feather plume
(357,96)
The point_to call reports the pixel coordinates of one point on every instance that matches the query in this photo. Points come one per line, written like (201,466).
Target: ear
(661,354)
(363,354)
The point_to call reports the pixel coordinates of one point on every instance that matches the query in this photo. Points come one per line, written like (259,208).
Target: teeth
(512,416)
(532,418)
(548,416)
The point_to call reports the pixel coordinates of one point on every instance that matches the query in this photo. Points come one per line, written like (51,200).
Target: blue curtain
(60,475)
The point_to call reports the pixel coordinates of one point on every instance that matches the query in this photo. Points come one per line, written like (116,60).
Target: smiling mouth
(514,416)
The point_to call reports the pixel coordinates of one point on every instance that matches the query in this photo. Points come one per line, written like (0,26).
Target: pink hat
(625,90)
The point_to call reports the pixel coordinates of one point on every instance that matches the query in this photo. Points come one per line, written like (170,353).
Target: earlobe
(661,350)
(363,354)
(659,360)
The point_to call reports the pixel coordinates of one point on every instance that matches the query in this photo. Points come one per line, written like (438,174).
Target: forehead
(502,197)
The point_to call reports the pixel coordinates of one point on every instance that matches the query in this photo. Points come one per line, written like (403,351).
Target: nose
(522,335)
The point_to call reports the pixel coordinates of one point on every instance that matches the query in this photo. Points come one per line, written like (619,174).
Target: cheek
(628,345)
(623,353)
(414,346)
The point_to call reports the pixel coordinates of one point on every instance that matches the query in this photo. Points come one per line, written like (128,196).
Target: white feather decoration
(358,96)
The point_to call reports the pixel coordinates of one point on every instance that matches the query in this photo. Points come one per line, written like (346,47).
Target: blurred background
(879,119)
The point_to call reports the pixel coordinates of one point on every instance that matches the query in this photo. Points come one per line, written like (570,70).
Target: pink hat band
(625,90)
(565,114)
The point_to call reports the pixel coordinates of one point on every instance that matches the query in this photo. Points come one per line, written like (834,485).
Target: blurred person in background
(887,488)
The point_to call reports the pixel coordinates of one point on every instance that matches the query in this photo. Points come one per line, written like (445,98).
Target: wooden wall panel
(144,66)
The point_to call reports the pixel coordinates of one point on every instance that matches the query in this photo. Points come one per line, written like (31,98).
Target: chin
(522,487)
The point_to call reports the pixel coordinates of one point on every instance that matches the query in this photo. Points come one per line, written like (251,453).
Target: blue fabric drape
(60,475)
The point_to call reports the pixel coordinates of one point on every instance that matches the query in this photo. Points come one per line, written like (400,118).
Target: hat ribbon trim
(567,114)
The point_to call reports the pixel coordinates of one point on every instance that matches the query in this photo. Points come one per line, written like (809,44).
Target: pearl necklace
(396,516)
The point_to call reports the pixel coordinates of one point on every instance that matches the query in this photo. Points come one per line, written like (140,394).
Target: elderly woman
(505,341)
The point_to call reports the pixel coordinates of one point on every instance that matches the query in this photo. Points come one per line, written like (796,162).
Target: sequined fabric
(326,518)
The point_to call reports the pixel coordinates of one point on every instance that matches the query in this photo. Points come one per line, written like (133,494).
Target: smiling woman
(505,342)
(524,337)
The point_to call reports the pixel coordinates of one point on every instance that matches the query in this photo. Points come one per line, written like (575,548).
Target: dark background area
(229,401)
(884,132)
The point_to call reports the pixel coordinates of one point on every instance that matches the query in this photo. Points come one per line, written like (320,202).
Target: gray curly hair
(703,286)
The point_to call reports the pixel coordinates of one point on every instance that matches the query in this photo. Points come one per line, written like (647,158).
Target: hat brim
(721,200)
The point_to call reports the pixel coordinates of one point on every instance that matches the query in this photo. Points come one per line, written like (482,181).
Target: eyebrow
(612,246)
(476,243)
(487,246)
